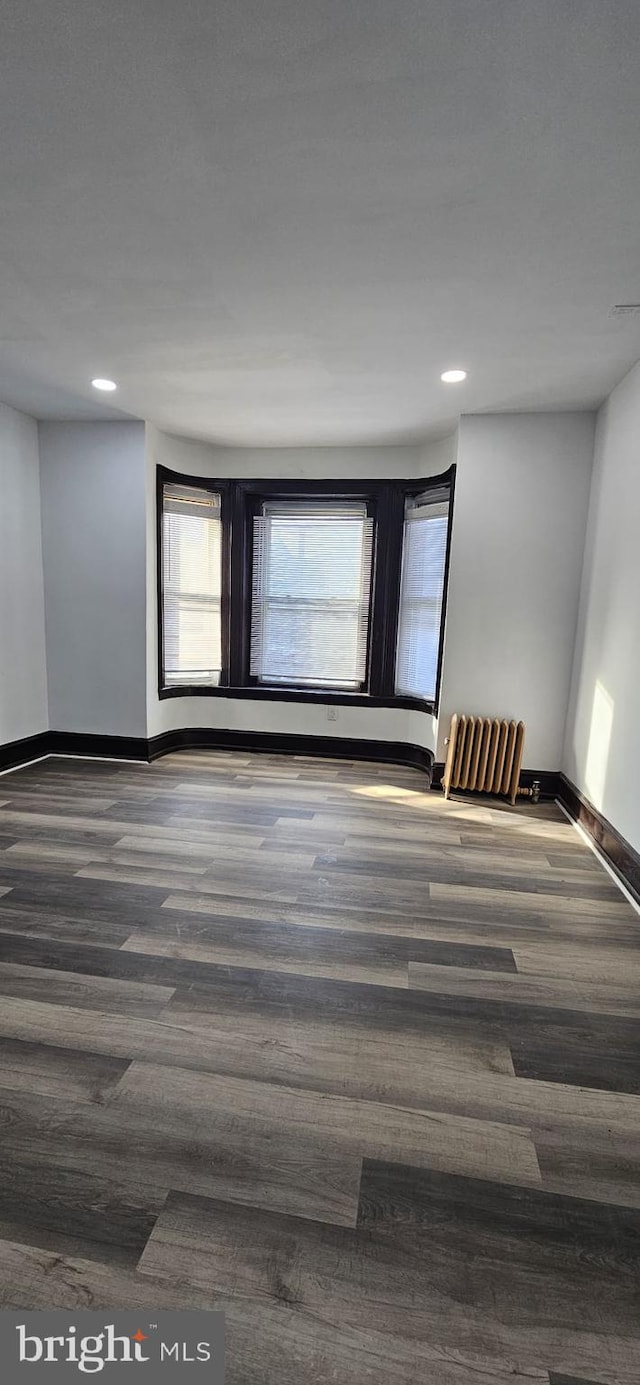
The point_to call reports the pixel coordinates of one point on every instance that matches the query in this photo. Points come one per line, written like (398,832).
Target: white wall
(304,463)
(522,490)
(602,744)
(93,526)
(201,459)
(23,678)
(437,456)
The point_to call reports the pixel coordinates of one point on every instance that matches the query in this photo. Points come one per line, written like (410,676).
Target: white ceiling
(277,221)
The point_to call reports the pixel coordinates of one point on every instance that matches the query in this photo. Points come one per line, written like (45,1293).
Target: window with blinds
(192,586)
(424,550)
(311,592)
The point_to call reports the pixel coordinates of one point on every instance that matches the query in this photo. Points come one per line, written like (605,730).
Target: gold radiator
(484,754)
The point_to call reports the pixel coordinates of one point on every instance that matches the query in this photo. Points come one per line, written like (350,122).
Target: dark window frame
(240,500)
(253,507)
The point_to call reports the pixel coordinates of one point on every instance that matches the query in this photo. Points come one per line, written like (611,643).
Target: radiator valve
(533,793)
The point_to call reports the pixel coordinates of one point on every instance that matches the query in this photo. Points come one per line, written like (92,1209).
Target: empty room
(319,668)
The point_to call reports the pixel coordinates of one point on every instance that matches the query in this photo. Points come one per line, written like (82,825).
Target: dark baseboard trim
(548,779)
(273,743)
(15,753)
(139,748)
(617,851)
(113,747)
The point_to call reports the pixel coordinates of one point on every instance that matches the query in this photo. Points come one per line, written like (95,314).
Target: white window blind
(421,591)
(311,594)
(192,585)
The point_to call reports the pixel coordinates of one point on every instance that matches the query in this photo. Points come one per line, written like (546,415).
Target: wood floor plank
(480,900)
(428,1139)
(371,829)
(58,802)
(90,993)
(420,1291)
(74,1212)
(377,958)
(565,1250)
(565,993)
(78,856)
(36,1278)
(555,1379)
(426,922)
(599,1161)
(602,1051)
(318,1054)
(236,850)
(159,879)
(261,955)
(380,1009)
(20,915)
(265,1341)
(601,966)
(236,1156)
(53,1071)
(382,851)
(108,902)
(148,963)
(473,872)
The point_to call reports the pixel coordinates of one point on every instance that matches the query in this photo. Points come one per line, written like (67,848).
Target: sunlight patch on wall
(599,745)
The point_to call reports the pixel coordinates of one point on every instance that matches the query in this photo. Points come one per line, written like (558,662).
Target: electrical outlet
(332,713)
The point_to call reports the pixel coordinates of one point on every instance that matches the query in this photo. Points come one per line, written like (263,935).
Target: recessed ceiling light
(100,384)
(453,377)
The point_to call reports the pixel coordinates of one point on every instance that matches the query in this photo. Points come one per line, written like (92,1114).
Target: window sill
(320,697)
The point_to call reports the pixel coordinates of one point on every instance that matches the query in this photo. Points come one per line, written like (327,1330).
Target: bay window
(316,590)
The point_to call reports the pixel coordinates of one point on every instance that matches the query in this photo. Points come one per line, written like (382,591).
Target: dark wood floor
(302,1041)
